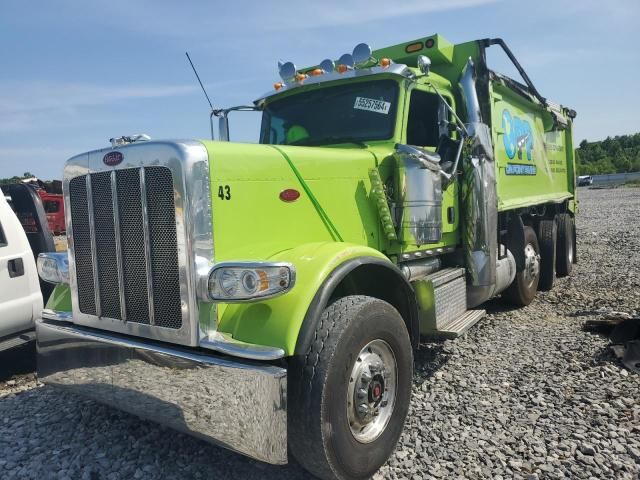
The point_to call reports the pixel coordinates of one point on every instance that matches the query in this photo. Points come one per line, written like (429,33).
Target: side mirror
(424,64)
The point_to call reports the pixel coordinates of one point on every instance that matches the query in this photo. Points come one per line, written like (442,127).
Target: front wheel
(350,395)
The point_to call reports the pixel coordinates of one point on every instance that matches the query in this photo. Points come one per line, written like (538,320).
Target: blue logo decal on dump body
(518,169)
(517,137)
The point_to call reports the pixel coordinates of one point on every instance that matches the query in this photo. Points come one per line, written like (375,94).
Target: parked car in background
(20,296)
(585,180)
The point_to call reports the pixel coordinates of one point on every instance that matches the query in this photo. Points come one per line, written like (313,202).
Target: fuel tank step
(460,325)
(442,299)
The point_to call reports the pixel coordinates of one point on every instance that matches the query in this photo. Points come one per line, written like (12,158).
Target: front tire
(524,287)
(349,396)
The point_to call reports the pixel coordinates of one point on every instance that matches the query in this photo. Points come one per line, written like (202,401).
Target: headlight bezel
(261,272)
(53,267)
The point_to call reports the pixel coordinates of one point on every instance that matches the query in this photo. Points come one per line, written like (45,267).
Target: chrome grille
(127,217)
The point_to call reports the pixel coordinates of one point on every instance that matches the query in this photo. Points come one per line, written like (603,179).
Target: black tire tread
(566,234)
(547,240)
(310,372)
(515,293)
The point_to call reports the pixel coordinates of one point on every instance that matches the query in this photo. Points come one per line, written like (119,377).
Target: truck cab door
(427,126)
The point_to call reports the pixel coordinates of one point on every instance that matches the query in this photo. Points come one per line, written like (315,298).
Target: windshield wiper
(311,142)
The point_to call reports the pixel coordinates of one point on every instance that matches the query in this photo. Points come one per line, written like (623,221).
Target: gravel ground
(525,394)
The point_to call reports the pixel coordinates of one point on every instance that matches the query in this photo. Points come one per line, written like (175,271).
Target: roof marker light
(385,62)
(342,68)
(316,71)
(277,86)
(414,47)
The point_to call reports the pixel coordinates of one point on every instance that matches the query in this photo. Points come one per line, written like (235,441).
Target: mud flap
(515,240)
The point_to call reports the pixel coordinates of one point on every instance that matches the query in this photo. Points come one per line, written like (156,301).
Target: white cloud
(41,96)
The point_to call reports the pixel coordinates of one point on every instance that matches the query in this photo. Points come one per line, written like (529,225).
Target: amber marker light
(385,62)
(342,68)
(300,77)
(277,86)
(413,47)
(316,71)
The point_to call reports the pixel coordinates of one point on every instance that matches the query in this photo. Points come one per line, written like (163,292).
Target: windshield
(353,112)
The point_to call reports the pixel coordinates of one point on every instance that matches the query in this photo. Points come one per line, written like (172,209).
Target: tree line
(619,154)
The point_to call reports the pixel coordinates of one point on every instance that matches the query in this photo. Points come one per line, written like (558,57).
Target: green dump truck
(269,297)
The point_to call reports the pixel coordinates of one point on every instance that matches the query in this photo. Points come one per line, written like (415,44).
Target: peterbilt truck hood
(252,221)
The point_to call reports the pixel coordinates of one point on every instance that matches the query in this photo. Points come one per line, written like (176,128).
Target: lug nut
(366,377)
(362,393)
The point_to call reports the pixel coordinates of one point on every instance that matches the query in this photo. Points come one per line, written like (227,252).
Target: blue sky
(75,73)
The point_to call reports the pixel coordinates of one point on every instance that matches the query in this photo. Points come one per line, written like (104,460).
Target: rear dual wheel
(523,289)
(349,396)
(566,244)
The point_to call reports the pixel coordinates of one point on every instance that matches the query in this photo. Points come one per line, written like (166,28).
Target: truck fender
(358,276)
(323,270)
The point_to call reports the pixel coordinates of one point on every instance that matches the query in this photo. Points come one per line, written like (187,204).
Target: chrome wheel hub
(531,264)
(371,394)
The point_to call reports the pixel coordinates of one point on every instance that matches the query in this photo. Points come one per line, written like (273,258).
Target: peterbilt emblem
(113,158)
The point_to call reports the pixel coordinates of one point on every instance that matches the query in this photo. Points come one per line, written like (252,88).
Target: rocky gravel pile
(525,394)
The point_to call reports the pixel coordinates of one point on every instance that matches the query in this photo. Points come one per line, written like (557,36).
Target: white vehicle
(20,295)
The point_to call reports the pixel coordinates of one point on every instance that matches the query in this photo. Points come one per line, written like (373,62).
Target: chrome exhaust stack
(479,199)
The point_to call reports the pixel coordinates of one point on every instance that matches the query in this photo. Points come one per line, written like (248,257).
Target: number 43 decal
(224,192)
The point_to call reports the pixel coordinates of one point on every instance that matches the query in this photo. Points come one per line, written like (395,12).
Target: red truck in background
(51,195)
(54,208)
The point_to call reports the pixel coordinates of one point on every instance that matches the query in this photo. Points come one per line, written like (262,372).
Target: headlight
(236,282)
(54,267)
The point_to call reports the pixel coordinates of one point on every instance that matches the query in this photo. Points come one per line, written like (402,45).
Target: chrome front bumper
(234,404)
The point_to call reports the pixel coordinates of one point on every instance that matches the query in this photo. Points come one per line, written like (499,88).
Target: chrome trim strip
(147,245)
(57,315)
(225,343)
(94,254)
(394,69)
(116,227)
(236,404)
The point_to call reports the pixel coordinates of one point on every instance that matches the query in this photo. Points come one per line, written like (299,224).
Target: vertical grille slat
(126,246)
(82,244)
(164,246)
(132,241)
(106,254)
